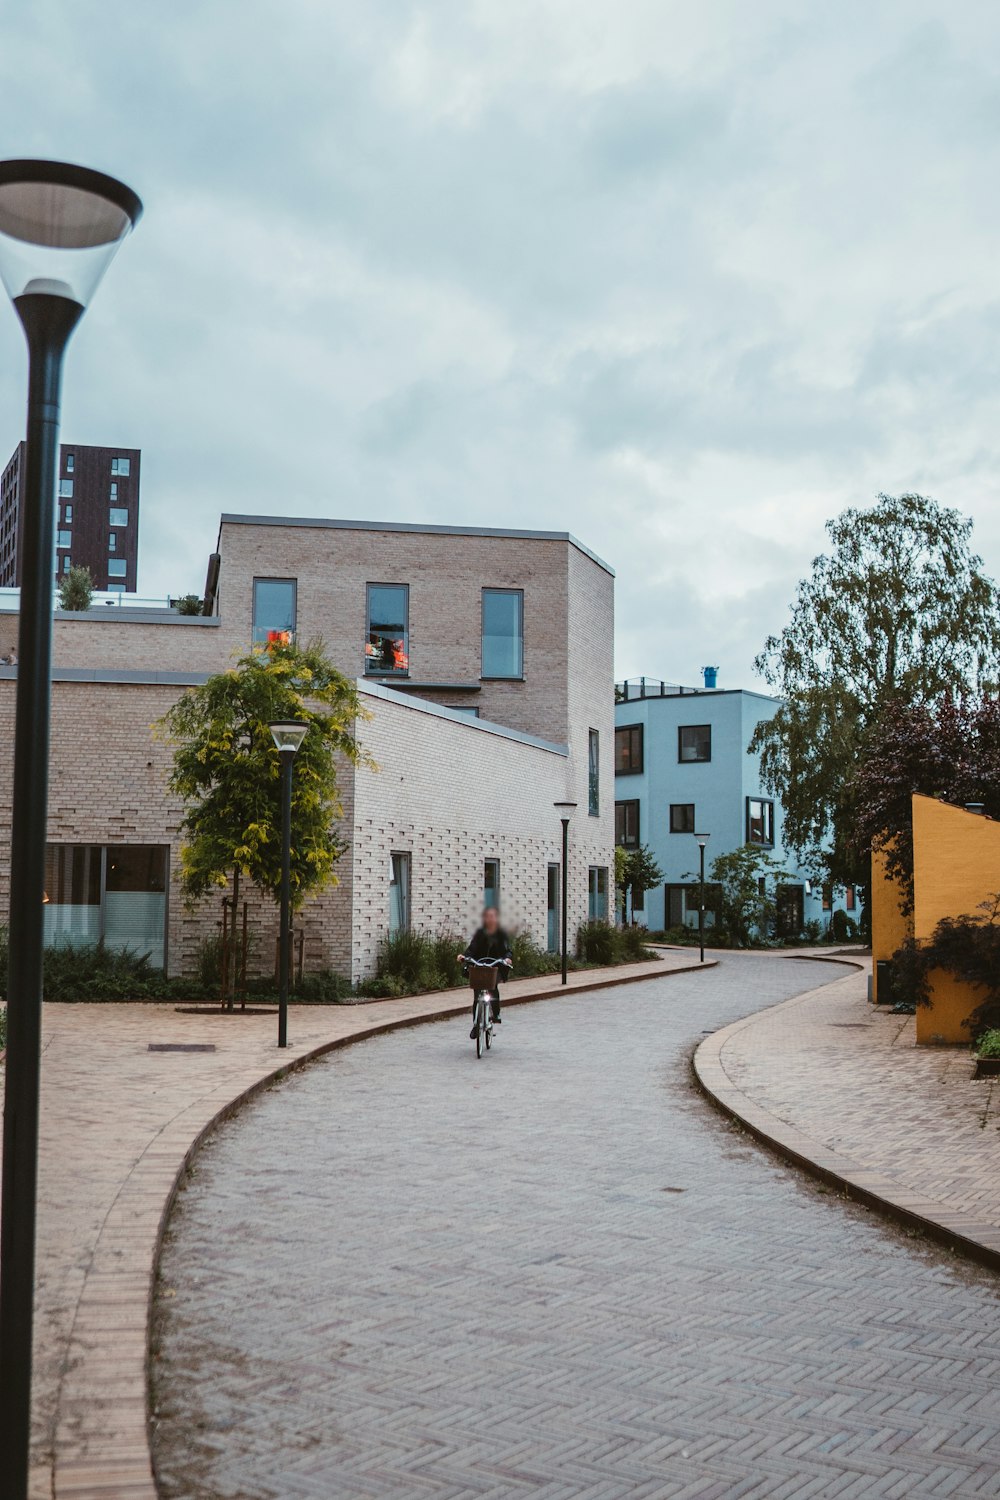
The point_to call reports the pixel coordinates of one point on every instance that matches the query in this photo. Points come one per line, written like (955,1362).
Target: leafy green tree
(898,611)
(76,590)
(640,873)
(747,885)
(227,770)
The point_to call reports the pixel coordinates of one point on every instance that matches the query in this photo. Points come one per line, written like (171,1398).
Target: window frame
(485,676)
(394,672)
(693,760)
(61,533)
(116,464)
(405,857)
(675,807)
(495,887)
(65,489)
(122,510)
(272,578)
(594,893)
(631,729)
(625,804)
(767,819)
(594,773)
(117,567)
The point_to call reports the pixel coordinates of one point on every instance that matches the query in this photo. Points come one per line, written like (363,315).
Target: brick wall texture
(448,792)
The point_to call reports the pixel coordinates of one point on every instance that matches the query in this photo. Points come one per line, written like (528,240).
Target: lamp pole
(288,736)
(702,840)
(566,809)
(60,226)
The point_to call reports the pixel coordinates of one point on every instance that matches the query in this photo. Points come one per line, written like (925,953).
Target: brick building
(97,516)
(485,660)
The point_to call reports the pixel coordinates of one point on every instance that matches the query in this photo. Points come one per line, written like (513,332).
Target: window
(112,541)
(597,898)
(594,773)
(67,563)
(114,894)
(387,648)
(553,908)
(118,516)
(760,822)
(115,588)
(399,892)
(850,901)
(491,883)
(122,466)
(65,489)
(114,492)
(64,539)
(68,514)
(70,463)
(694,742)
(828,898)
(275,605)
(627,824)
(628,750)
(468,710)
(117,567)
(682,817)
(503,633)
(680,905)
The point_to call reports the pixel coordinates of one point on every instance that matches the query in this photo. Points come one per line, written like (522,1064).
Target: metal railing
(633,689)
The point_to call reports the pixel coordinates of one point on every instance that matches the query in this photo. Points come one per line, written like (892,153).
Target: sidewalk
(839,1087)
(119,1123)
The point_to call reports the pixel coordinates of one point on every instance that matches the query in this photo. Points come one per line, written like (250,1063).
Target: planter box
(987,1067)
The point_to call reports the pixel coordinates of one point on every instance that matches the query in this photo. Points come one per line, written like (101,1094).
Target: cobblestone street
(556,1272)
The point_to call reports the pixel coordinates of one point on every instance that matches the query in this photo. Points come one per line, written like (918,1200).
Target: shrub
(76,590)
(420,961)
(601,944)
(188,604)
(529,959)
(987,1046)
(838,926)
(324,988)
(967,947)
(92,971)
(382,987)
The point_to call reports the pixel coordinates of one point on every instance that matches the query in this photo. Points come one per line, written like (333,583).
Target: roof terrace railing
(633,689)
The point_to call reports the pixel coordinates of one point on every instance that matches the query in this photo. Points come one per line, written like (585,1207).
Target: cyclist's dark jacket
(490,945)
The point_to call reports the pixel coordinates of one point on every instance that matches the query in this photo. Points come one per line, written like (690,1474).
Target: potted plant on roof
(987,1054)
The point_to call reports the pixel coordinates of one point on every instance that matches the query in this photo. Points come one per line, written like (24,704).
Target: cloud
(684,280)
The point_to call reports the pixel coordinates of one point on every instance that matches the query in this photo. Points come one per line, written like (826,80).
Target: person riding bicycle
(489,942)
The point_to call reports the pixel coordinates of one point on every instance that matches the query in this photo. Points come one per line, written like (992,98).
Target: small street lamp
(566,808)
(287,736)
(60,227)
(701,839)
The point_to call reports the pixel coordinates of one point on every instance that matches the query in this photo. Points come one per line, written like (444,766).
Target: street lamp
(60,227)
(566,809)
(287,736)
(701,839)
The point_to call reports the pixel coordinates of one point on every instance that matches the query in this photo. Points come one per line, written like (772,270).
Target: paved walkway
(363,1296)
(832,1080)
(118,1122)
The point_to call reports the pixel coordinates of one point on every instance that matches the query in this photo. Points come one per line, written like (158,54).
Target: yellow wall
(956,866)
(889,927)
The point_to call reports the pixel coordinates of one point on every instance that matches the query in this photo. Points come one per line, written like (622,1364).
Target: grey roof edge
(232,518)
(690,693)
(113,615)
(135,677)
(438,711)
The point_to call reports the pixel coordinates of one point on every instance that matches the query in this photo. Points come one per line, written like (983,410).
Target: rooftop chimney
(711,676)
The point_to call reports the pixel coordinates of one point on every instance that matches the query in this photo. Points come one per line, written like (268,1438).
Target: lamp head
(60,227)
(701,839)
(565,807)
(288,734)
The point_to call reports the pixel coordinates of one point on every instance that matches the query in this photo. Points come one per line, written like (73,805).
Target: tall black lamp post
(288,736)
(60,227)
(701,839)
(566,809)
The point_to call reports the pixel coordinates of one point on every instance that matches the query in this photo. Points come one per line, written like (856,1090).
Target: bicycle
(484,976)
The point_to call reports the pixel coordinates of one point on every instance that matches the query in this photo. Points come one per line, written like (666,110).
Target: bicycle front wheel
(480,1034)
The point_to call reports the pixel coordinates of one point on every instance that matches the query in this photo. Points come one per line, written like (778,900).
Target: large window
(593,773)
(680,905)
(65,489)
(491,883)
(503,633)
(387,648)
(682,817)
(628,750)
(64,539)
(274,610)
(760,822)
(117,567)
(399,892)
(597,897)
(113,893)
(627,824)
(118,515)
(122,466)
(694,742)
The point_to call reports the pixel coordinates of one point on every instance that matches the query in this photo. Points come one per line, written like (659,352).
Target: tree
(76,590)
(747,880)
(898,612)
(227,770)
(949,749)
(636,872)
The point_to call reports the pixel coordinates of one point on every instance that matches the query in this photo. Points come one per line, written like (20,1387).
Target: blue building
(682,766)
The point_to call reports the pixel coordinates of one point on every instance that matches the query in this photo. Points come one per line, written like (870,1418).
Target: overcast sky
(683,278)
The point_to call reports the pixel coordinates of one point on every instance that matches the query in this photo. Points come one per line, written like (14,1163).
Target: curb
(447,1011)
(956,1231)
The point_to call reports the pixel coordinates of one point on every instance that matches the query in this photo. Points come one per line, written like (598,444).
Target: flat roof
(694,692)
(230,519)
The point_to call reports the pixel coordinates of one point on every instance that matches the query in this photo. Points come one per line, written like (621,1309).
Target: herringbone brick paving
(555,1272)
